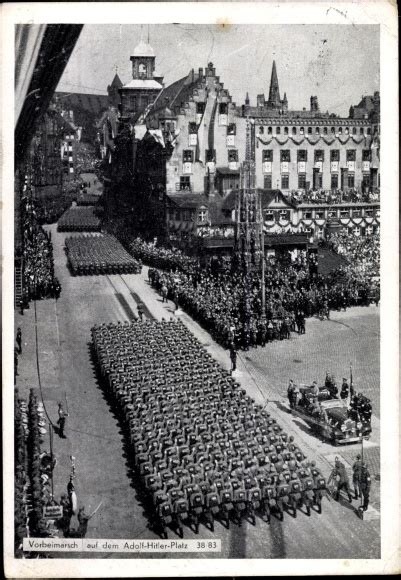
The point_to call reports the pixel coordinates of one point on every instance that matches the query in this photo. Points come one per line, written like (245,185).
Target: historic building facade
(293,150)
(324,168)
(53,152)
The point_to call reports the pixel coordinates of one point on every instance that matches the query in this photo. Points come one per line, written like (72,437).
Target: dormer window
(202,215)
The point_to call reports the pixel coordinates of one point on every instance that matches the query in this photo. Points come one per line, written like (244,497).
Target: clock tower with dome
(145,84)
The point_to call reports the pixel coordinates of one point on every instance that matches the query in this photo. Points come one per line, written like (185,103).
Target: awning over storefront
(276,240)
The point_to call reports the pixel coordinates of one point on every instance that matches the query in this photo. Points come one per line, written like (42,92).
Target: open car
(331,417)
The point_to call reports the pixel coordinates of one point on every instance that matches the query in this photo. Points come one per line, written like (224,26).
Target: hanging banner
(351,165)
(264,141)
(284,167)
(329,140)
(366,166)
(233,165)
(267,166)
(301,166)
(211,166)
(297,141)
(223,120)
(319,165)
(187,168)
(230,140)
(334,166)
(193,139)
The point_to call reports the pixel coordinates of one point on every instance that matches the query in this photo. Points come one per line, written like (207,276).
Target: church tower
(112,91)
(274,92)
(145,85)
(275,103)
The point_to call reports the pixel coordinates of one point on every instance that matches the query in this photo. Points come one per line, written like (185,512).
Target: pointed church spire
(274,92)
(247,99)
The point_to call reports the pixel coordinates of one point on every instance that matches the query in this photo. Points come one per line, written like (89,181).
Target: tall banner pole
(51,456)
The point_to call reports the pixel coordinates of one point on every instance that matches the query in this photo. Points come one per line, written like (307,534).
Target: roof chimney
(200,73)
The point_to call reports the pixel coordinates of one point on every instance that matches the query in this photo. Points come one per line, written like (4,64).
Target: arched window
(294,130)
(261,130)
(309,130)
(285,130)
(142,69)
(333,130)
(340,130)
(317,130)
(361,130)
(354,130)
(347,130)
(269,130)
(325,130)
(301,130)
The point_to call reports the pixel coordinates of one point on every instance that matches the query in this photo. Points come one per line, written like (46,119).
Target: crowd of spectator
(37,253)
(159,257)
(363,254)
(229,305)
(32,483)
(334,196)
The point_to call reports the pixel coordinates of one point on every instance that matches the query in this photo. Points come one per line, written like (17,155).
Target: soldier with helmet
(356,475)
(364,485)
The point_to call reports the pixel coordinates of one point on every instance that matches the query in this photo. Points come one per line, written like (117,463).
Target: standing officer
(15,365)
(19,340)
(290,393)
(364,485)
(339,474)
(140,311)
(356,475)
(61,420)
(344,390)
(233,357)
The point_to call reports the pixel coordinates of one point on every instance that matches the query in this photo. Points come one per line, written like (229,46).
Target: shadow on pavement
(126,449)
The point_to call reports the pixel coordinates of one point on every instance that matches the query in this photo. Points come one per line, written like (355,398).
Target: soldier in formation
(202,447)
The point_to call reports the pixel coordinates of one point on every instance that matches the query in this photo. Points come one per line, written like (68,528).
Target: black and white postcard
(200,296)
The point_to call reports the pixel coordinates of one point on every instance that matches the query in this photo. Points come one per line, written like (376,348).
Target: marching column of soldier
(203,449)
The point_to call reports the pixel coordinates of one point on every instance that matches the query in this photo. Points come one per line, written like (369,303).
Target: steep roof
(169,94)
(268,195)
(188,199)
(274,92)
(143,84)
(95,104)
(143,49)
(116,82)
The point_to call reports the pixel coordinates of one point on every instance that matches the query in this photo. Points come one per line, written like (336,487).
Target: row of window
(188,155)
(309,130)
(285,155)
(302,155)
(193,128)
(318,181)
